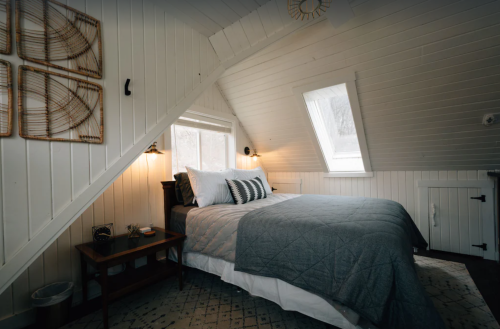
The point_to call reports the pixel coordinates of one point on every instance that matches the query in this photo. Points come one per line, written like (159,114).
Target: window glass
(198,148)
(213,150)
(331,115)
(184,148)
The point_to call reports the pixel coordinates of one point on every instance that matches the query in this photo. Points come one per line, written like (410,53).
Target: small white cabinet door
(291,188)
(455,220)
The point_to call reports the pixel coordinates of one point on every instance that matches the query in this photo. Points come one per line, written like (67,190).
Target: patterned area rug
(454,294)
(207,302)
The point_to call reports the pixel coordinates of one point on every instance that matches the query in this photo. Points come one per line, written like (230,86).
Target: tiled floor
(208,303)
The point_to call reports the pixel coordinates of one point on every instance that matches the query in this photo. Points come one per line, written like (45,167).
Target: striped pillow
(244,191)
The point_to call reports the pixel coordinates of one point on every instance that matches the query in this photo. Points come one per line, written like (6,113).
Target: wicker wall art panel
(5,99)
(5,27)
(50,105)
(50,33)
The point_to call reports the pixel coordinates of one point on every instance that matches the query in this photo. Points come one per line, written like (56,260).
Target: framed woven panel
(51,33)
(56,107)
(5,27)
(5,99)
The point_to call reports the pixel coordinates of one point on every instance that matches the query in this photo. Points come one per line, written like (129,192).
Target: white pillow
(210,187)
(251,174)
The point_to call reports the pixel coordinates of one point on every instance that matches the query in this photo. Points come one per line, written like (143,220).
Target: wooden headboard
(169,200)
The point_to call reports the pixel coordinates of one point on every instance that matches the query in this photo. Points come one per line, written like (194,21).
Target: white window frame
(349,78)
(230,138)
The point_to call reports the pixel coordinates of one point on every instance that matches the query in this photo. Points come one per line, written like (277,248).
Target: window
(333,122)
(200,143)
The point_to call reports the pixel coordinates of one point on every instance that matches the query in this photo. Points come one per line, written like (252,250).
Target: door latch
(482,246)
(482,198)
(273,189)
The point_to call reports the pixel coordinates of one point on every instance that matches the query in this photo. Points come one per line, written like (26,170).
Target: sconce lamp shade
(153,151)
(254,156)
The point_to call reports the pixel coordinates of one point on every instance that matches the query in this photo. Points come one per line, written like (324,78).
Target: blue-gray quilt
(352,250)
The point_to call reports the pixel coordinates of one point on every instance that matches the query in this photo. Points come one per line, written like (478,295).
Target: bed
(356,273)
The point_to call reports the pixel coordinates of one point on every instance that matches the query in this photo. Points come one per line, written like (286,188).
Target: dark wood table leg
(179,264)
(85,279)
(104,288)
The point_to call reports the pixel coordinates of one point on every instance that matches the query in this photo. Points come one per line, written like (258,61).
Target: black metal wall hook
(127,92)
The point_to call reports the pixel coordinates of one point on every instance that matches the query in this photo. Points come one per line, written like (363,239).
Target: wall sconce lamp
(153,151)
(254,156)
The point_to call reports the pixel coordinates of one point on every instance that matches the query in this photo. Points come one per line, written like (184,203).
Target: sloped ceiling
(211,16)
(427,72)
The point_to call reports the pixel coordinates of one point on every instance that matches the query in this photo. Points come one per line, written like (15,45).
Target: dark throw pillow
(244,191)
(186,192)
(178,192)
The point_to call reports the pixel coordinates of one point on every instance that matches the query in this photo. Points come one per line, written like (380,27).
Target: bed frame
(169,201)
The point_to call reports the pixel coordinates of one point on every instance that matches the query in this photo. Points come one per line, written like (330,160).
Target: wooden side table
(122,250)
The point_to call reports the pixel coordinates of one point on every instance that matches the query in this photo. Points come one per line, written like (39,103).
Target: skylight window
(332,118)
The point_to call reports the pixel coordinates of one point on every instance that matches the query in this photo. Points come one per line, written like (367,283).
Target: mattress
(178,218)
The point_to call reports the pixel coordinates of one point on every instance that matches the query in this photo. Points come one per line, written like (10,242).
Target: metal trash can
(53,304)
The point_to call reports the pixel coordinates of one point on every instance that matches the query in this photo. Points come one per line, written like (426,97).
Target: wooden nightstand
(122,250)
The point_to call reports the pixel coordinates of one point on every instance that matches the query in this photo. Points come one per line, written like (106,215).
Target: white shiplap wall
(209,17)
(427,71)
(169,64)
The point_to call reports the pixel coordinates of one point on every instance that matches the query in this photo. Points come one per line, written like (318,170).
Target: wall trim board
(30,251)
(211,113)
(348,174)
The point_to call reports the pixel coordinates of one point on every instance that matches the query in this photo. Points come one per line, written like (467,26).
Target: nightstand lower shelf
(133,279)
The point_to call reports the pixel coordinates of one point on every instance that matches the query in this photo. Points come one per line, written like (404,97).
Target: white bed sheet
(289,297)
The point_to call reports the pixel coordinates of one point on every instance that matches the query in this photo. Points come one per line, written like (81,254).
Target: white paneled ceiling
(427,72)
(211,16)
